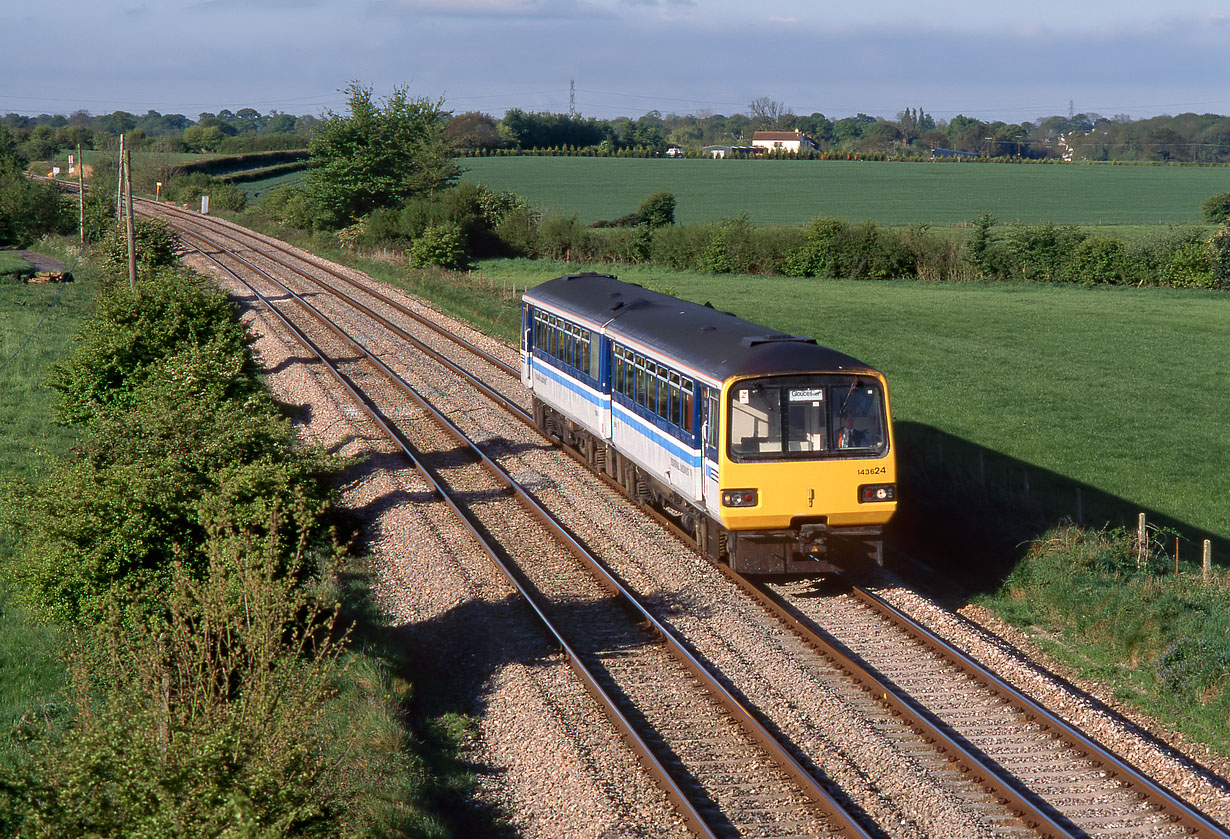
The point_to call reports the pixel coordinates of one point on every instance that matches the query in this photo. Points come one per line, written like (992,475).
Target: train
(774,454)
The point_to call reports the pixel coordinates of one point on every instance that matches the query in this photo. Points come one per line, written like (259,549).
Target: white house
(783,141)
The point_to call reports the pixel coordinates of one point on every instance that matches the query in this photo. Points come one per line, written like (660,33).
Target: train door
(709,427)
(527,345)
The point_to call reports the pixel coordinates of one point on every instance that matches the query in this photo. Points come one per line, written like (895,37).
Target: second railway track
(793,694)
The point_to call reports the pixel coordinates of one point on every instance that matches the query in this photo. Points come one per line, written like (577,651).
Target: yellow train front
(806,471)
(774,453)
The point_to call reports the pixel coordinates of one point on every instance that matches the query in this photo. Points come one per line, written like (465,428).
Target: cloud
(490,10)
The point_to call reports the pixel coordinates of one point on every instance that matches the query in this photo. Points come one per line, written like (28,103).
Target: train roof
(709,341)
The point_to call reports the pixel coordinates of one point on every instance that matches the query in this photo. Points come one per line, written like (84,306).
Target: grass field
(256,190)
(793,192)
(13,266)
(47,317)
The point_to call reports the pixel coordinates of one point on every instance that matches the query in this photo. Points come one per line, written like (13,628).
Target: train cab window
(857,418)
(806,416)
(755,420)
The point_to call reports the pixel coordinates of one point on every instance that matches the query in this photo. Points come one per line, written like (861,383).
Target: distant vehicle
(773,453)
(674,151)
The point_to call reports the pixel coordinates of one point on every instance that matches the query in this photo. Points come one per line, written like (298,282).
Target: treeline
(1185,138)
(1189,138)
(185,552)
(232,132)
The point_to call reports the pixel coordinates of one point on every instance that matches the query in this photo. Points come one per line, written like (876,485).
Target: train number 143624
(873,470)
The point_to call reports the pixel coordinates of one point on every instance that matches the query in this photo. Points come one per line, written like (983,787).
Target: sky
(622,57)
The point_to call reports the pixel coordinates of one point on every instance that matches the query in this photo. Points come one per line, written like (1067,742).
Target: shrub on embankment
(1128,614)
(185,549)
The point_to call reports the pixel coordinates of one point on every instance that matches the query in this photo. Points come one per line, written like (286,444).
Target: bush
(1098,260)
(1190,267)
(1219,256)
(29,210)
(217,719)
(201,444)
(156,247)
(443,245)
(188,190)
(128,336)
(1040,252)
(562,237)
(1216,208)
(819,255)
(658,210)
(293,207)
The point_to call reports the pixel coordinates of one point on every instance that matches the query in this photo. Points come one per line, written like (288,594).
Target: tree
(473,130)
(379,155)
(1216,208)
(769,112)
(658,209)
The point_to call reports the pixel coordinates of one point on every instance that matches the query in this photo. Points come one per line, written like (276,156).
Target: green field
(256,190)
(793,192)
(37,324)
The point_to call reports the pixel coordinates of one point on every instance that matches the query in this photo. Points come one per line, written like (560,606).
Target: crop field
(1118,390)
(256,190)
(793,192)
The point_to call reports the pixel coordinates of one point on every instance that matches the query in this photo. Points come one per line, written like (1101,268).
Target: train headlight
(740,497)
(872,493)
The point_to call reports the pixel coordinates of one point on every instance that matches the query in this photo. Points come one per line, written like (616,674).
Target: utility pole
(81,190)
(119,187)
(572,97)
(132,243)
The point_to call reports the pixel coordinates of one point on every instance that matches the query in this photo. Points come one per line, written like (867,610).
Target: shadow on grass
(971,513)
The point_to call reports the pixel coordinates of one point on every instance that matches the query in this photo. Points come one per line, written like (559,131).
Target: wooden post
(1207,562)
(1176,556)
(119,187)
(81,190)
(132,242)
(1141,536)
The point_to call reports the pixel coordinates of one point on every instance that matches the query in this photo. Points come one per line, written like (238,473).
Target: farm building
(732,151)
(784,141)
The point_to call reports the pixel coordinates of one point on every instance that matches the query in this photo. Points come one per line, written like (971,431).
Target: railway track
(725,772)
(1013,767)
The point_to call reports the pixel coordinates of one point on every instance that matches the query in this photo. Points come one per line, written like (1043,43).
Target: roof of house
(778,135)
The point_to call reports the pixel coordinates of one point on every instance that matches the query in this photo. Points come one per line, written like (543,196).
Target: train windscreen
(800,417)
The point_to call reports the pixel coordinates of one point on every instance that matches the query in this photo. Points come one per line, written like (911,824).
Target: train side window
(593,344)
(685,407)
(711,416)
(640,385)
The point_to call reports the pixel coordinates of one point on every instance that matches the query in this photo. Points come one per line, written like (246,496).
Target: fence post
(1141,536)
(1207,563)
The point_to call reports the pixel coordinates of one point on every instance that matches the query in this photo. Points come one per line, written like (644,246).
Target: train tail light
(872,493)
(740,497)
